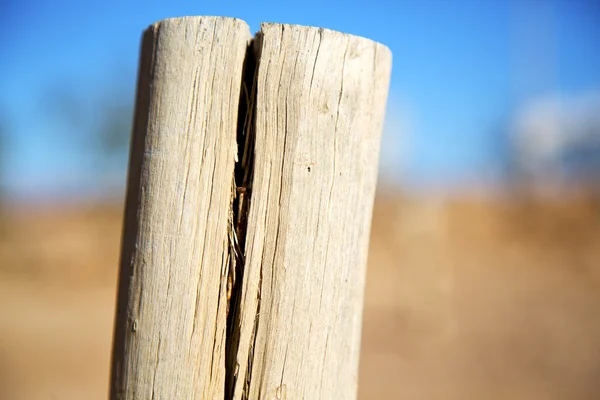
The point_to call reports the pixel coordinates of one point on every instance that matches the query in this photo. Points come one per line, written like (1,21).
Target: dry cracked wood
(295,233)
(319,109)
(170,333)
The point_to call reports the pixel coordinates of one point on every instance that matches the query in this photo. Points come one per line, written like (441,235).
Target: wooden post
(171,313)
(253,291)
(319,110)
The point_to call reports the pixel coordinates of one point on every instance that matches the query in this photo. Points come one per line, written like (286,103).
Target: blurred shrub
(95,121)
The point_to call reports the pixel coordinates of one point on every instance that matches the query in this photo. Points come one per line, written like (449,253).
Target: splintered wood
(170,338)
(285,321)
(320,105)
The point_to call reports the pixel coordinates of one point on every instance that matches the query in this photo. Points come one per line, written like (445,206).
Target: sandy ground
(464,300)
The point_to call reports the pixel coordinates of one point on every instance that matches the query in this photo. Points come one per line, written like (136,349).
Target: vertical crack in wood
(240,205)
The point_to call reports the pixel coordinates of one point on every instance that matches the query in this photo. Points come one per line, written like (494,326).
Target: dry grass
(465,300)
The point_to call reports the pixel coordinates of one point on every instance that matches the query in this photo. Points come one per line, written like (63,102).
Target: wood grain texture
(320,106)
(171,317)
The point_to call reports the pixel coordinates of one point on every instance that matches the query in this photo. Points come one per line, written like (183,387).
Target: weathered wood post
(251,185)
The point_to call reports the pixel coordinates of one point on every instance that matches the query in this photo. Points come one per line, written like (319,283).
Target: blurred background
(484,266)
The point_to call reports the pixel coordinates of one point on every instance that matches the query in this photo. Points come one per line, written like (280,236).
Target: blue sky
(461,69)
